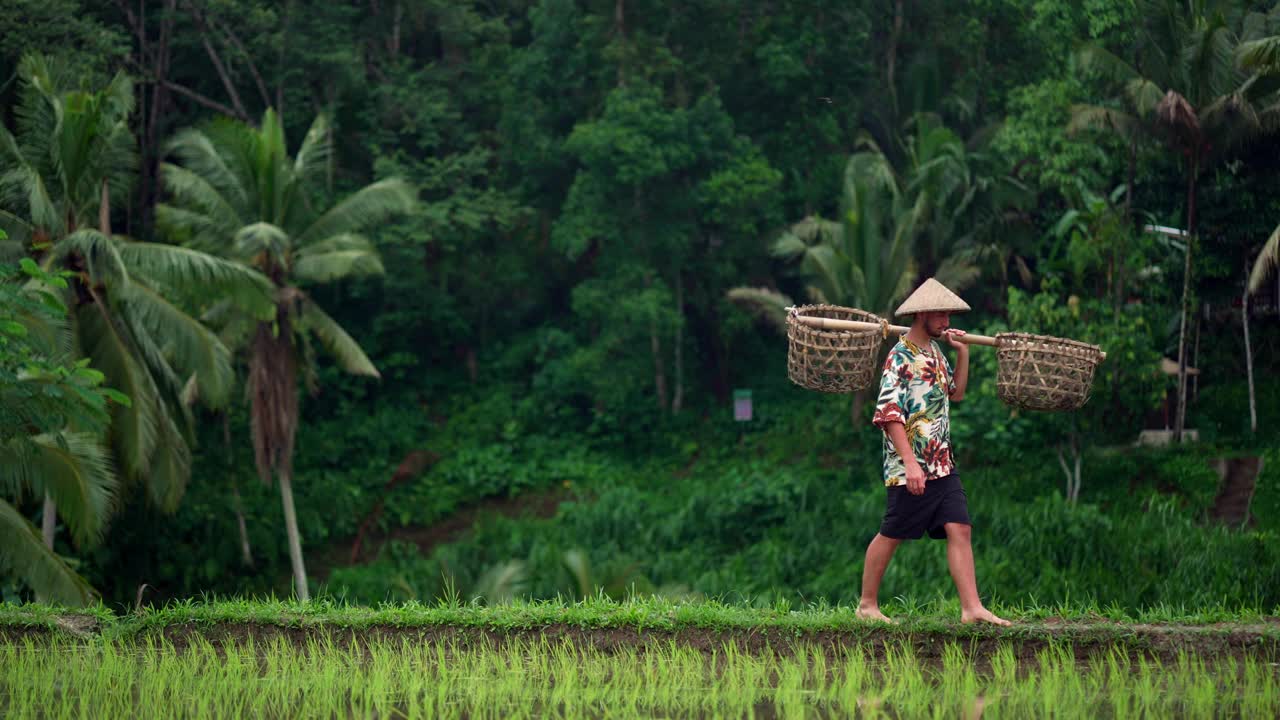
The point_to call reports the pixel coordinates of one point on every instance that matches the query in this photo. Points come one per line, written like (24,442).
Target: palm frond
(906,281)
(24,555)
(263,237)
(337,243)
(74,469)
(1266,263)
(118,97)
(314,153)
(367,206)
(191,346)
(170,467)
(16,230)
(815,295)
(1210,58)
(764,303)
(134,429)
(796,239)
(1095,117)
(330,266)
(341,346)
(233,326)
(201,274)
(196,193)
(38,113)
(872,171)
(45,319)
(1260,54)
(23,186)
(1234,118)
(958,273)
(101,257)
(1095,58)
(198,153)
(1143,95)
(273,173)
(191,229)
(827,267)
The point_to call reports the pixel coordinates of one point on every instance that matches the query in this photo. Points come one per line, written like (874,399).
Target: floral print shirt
(915,390)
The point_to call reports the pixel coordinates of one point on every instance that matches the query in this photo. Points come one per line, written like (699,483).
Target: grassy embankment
(642,658)
(645,619)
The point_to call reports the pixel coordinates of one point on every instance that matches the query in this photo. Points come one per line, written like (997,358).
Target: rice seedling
(321,675)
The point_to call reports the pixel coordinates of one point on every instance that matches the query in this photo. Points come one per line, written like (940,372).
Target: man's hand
(915,477)
(953,336)
(961,379)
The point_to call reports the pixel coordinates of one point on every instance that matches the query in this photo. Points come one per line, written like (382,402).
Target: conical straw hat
(932,296)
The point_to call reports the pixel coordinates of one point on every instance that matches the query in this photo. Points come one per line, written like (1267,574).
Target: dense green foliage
(552,320)
(54,412)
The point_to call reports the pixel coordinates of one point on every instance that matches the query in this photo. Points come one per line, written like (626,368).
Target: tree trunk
(295,542)
(1075,492)
(1118,258)
(1071,471)
(104,210)
(49,525)
(659,371)
(1180,418)
(1066,471)
(157,111)
(1128,190)
(1194,362)
(677,398)
(47,528)
(891,58)
(855,408)
(218,65)
(1248,351)
(246,550)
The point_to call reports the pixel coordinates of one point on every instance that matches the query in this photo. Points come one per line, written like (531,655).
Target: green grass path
(606,623)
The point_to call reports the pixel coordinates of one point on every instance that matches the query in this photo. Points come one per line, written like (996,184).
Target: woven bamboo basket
(1039,372)
(835,361)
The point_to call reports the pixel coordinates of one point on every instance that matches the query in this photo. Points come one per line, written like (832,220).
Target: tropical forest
(506,358)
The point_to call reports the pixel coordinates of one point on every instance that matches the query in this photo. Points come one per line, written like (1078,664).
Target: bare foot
(873,613)
(982,615)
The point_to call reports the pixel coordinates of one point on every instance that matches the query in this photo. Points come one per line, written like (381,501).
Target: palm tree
(1264,266)
(934,216)
(52,411)
(237,193)
(1206,82)
(862,260)
(865,258)
(928,218)
(71,151)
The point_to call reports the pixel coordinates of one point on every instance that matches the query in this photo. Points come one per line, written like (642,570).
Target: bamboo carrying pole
(832,324)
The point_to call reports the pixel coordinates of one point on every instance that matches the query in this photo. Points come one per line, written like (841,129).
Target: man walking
(914,411)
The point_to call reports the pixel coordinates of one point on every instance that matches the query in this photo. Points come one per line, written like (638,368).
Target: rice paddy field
(633,659)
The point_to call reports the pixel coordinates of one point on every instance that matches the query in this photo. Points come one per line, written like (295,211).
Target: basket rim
(797,310)
(1047,339)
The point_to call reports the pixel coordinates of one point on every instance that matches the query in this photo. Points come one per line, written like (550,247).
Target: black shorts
(907,516)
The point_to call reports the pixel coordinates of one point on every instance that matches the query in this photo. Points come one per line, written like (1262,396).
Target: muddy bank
(1163,641)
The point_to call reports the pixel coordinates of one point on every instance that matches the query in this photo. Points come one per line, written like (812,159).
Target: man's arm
(962,364)
(915,474)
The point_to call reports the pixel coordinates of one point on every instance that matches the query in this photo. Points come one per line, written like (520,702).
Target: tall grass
(557,678)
